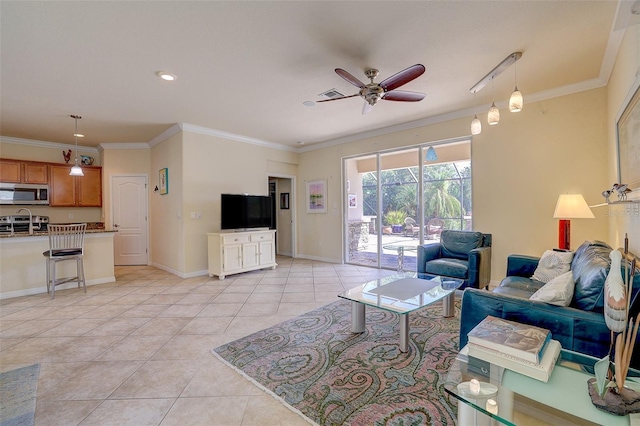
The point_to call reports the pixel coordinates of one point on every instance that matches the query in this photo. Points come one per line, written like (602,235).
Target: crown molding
(232,136)
(136,145)
(45,144)
(175,129)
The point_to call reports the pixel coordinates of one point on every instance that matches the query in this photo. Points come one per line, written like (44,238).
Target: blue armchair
(460,254)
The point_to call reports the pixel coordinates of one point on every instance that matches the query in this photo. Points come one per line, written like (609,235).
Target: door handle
(115,225)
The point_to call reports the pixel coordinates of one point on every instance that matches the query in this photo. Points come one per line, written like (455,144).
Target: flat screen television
(245,211)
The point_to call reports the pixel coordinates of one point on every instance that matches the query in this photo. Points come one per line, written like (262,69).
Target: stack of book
(523,348)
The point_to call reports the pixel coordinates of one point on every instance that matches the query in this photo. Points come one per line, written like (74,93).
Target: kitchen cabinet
(75,191)
(16,171)
(236,252)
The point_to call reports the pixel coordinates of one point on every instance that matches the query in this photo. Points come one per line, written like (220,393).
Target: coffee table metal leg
(357,317)
(448,305)
(404,332)
(400,259)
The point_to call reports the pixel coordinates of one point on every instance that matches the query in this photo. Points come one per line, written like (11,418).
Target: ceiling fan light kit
(516,100)
(385,90)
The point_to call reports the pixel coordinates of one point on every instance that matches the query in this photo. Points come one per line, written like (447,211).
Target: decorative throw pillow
(552,263)
(558,291)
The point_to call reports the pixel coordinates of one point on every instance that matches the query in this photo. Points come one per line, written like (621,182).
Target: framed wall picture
(284,201)
(317,196)
(352,200)
(628,132)
(164,181)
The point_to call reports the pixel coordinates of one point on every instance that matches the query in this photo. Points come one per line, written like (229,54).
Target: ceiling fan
(373,92)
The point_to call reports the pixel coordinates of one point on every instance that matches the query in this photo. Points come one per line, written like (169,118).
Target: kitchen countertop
(92,228)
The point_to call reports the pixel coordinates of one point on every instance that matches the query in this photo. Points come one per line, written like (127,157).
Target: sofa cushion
(455,268)
(590,267)
(558,291)
(458,244)
(521,283)
(553,263)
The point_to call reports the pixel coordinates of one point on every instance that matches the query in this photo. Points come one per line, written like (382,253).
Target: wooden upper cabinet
(89,187)
(75,191)
(15,171)
(35,173)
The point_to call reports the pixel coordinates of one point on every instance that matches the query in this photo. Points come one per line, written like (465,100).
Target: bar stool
(66,242)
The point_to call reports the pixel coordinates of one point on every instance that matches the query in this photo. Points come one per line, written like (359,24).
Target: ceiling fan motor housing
(372,93)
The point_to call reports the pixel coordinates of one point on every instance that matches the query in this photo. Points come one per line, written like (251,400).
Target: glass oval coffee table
(401,293)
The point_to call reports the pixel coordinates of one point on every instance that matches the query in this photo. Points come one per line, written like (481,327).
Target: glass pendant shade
(76,170)
(494,115)
(516,101)
(431,154)
(476,125)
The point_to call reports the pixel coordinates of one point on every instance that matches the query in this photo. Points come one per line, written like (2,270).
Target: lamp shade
(572,206)
(516,101)
(494,115)
(476,125)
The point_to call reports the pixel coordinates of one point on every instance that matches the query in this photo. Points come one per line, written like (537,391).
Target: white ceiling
(246,67)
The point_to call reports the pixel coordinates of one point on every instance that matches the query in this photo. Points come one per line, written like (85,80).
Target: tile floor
(137,351)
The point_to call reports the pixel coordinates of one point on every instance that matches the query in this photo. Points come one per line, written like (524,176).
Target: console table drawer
(262,236)
(235,239)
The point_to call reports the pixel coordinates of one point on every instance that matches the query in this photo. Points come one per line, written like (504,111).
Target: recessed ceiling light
(300,142)
(166,76)
(309,103)
(79,135)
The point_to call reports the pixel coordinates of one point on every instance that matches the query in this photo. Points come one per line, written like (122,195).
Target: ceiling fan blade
(403,96)
(337,99)
(366,108)
(403,77)
(351,79)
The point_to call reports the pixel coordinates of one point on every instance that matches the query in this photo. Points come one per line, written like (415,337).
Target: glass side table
(566,391)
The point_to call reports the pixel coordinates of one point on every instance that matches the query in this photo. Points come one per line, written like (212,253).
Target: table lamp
(569,206)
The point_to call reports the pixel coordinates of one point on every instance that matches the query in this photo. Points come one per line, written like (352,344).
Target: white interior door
(130,220)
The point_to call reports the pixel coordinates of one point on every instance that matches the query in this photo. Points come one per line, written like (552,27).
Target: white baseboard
(43,289)
(178,273)
(319,259)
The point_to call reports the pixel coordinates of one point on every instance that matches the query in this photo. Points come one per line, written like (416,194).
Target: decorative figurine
(67,156)
(606,194)
(622,189)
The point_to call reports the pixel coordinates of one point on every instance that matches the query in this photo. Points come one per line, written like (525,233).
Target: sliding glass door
(396,200)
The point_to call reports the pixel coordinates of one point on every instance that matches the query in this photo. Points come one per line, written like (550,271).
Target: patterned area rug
(334,377)
(18,390)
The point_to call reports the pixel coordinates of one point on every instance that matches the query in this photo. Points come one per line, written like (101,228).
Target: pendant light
(494,113)
(431,154)
(76,170)
(516,101)
(476,125)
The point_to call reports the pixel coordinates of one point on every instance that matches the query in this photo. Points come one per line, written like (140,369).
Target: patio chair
(433,229)
(411,228)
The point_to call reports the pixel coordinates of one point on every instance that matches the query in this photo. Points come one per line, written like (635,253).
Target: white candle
(492,406)
(474,386)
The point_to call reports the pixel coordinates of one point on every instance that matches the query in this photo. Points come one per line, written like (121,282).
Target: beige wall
(53,154)
(625,76)
(519,168)
(166,212)
(123,162)
(212,166)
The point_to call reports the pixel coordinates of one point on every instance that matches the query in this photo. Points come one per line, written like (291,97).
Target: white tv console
(236,252)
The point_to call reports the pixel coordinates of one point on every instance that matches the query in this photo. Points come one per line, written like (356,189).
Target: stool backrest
(65,237)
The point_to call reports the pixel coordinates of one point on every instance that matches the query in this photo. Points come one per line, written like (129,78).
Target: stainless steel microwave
(23,193)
